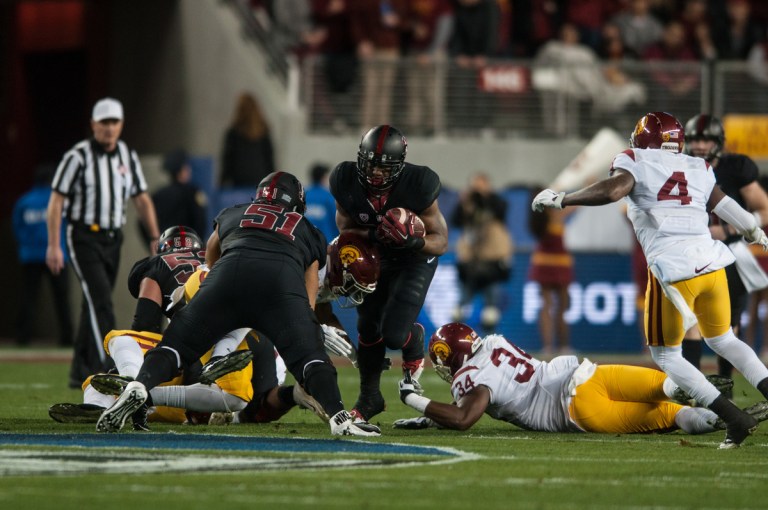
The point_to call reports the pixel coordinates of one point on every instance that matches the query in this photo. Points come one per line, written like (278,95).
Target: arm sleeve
(729,210)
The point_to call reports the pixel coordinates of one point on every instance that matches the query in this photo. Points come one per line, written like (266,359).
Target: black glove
(407,386)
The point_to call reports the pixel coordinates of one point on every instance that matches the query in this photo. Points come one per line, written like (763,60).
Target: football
(412,222)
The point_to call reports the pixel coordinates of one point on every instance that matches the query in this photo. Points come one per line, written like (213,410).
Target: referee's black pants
(95,257)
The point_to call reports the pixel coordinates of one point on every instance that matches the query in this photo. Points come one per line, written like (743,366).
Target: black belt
(94,228)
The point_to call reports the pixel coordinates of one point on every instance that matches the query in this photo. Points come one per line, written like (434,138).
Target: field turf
(295,463)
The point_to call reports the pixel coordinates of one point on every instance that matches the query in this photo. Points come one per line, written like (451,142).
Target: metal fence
(516,98)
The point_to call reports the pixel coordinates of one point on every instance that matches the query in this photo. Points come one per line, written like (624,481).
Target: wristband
(417,402)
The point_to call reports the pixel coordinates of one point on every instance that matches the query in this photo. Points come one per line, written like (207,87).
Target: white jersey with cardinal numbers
(668,210)
(526,392)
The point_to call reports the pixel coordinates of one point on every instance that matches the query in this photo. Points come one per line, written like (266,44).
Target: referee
(91,187)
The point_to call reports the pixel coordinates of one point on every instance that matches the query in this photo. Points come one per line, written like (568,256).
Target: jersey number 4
(676,180)
(271,217)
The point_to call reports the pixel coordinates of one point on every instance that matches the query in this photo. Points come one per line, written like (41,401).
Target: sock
(126,354)
(197,397)
(741,355)
(369,362)
(320,382)
(696,420)
(762,386)
(692,352)
(685,375)
(413,349)
(229,342)
(160,365)
(726,410)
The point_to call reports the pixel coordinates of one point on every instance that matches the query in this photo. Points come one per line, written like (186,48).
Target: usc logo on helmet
(640,127)
(441,350)
(349,254)
(665,137)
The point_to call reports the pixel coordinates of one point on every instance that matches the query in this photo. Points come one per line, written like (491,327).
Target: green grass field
(494,465)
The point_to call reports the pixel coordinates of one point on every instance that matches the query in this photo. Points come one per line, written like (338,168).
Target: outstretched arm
(603,192)
(467,411)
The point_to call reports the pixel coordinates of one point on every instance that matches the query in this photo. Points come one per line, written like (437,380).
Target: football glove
(548,199)
(420,423)
(335,343)
(408,385)
(394,234)
(757,236)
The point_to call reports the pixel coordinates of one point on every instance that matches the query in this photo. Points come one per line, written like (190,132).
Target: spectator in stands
(567,68)
(484,251)
(180,202)
(677,83)
(31,232)
(293,29)
(735,40)
(430,33)
(695,20)
(534,22)
(590,16)
(551,267)
(474,40)
(247,156)
(639,28)
(377,26)
(321,206)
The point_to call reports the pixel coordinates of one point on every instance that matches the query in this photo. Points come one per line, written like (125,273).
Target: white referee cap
(107,108)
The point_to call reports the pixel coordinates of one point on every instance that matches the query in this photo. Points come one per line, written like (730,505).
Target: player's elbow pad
(729,210)
(148,317)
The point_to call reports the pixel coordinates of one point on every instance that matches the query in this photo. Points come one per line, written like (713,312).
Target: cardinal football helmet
(179,238)
(705,127)
(353,268)
(284,189)
(382,147)
(658,130)
(450,346)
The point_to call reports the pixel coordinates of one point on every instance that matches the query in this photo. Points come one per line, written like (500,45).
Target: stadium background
(178,65)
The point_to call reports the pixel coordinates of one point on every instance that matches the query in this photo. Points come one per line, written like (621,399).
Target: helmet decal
(349,254)
(442,350)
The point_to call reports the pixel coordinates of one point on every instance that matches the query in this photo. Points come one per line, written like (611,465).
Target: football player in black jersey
(737,175)
(364,191)
(264,258)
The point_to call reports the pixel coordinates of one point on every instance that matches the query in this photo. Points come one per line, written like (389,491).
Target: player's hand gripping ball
(401,228)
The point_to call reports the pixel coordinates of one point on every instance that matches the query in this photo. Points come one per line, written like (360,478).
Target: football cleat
(223,365)
(735,434)
(368,406)
(75,413)
(418,423)
(140,418)
(305,401)
(758,411)
(113,419)
(110,384)
(723,384)
(342,424)
(221,418)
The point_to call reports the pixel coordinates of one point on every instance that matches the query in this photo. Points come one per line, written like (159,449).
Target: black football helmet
(381,147)
(284,189)
(353,268)
(705,127)
(178,238)
(450,346)
(658,130)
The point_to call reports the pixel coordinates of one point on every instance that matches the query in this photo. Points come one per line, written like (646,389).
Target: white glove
(422,422)
(757,236)
(548,199)
(335,343)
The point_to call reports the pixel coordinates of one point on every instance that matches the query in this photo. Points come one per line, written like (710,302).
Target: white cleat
(342,424)
(113,419)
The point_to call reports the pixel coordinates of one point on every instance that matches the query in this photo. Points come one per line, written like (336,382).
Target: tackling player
(493,376)
(669,196)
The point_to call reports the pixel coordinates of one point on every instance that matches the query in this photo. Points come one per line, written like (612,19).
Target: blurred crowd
(474,29)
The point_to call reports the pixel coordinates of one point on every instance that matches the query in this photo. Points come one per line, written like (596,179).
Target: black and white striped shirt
(98,184)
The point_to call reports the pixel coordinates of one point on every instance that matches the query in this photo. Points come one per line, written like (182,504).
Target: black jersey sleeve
(319,245)
(138,271)
(747,171)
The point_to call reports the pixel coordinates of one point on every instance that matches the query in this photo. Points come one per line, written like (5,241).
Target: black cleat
(110,384)
(75,413)
(223,365)
(140,418)
(368,406)
(758,411)
(736,433)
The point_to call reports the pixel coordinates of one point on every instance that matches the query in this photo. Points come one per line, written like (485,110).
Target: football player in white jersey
(493,376)
(669,195)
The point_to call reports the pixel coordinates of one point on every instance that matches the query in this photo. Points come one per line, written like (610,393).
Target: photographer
(484,251)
